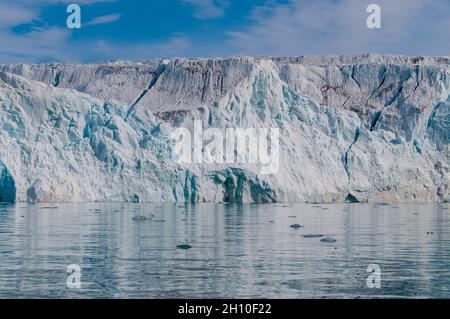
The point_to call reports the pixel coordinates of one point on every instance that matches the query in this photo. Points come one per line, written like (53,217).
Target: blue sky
(35,31)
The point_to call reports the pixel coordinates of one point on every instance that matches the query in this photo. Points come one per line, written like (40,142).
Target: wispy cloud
(55,43)
(208,9)
(40,43)
(339,27)
(104,19)
(173,47)
(277,27)
(37,45)
(11,15)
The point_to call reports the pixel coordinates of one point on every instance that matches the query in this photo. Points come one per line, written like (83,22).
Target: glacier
(366,128)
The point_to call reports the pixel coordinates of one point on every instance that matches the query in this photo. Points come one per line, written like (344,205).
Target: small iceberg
(184,246)
(328,240)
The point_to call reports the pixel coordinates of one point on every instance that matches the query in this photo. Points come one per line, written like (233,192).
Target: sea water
(224,251)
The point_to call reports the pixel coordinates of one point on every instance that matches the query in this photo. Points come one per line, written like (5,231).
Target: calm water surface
(238,251)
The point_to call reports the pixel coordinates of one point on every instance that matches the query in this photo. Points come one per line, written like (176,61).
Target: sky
(36,31)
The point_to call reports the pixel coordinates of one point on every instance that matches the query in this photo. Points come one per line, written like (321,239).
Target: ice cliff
(362,128)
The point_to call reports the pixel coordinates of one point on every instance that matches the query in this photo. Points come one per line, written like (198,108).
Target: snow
(371,128)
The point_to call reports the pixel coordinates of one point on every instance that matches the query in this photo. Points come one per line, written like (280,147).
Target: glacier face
(362,128)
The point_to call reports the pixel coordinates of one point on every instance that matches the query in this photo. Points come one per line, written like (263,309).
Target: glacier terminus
(367,128)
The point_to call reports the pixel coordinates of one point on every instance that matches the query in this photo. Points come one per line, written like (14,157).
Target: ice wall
(361,128)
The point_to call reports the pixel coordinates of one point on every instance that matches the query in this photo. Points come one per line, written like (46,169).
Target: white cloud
(103,19)
(299,27)
(51,43)
(11,15)
(173,47)
(294,27)
(36,45)
(208,9)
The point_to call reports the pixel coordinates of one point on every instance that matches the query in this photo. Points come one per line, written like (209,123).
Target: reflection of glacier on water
(208,250)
